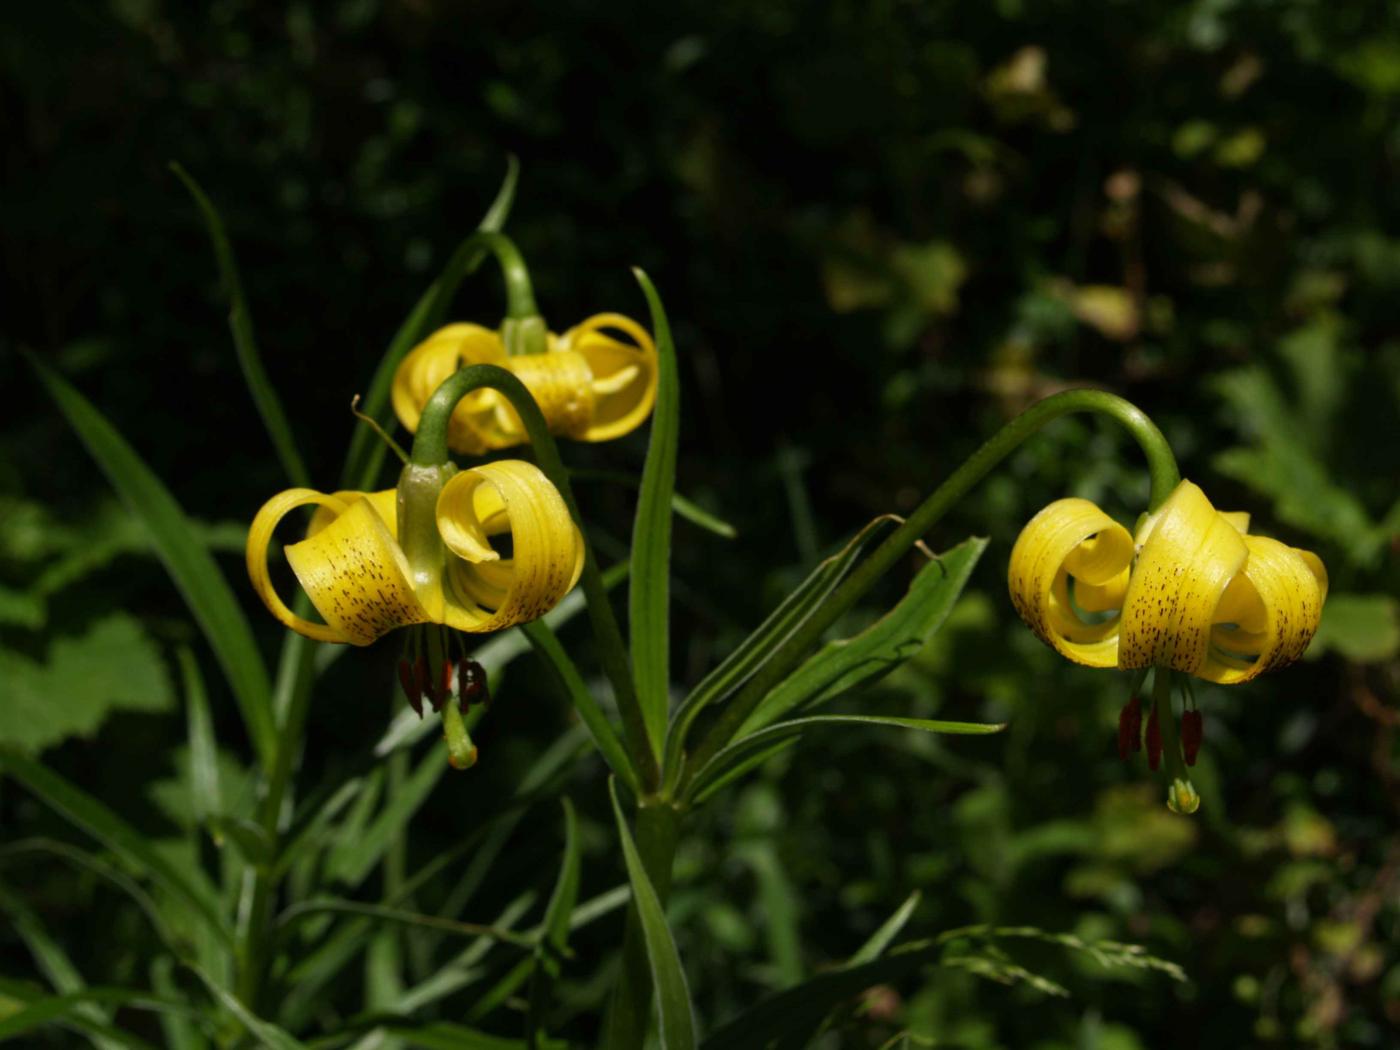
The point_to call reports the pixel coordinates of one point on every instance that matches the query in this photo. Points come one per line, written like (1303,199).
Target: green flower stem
(520,293)
(430,447)
(1161,467)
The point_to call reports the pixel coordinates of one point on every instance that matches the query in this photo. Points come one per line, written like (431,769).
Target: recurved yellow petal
(1188,554)
(561,384)
(1072,559)
(478,512)
(1273,610)
(385,504)
(430,362)
(351,568)
(624,374)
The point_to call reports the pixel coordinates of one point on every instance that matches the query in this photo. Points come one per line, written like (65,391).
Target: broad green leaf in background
(111,667)
(189,563)
(753,652)
(366,450)
(245,344)
(649,599)
(1362,627)
(677,1017)
(115,833)
(843,665)
(1283,466)
(758,746)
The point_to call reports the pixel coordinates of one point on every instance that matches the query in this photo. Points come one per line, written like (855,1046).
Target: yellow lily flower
(359,579)
(1193,592)
(589,385)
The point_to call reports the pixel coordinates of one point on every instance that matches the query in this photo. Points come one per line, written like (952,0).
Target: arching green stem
(1161,466)
(523,330)
(430,451)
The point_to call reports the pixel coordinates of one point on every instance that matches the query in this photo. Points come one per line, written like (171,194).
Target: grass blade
(357,856)
(245,344)
(116,834)
(186,559)
(677,1017)
(649,594)
(366,453)
(554,938)
(763,742)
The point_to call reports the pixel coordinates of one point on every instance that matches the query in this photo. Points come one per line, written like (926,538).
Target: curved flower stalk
(1192,593)
(590,384)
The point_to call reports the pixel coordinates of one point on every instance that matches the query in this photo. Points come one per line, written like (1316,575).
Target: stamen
(410,687)
(1192,732)
(1154,739)
(617,381)
(373,425)
(471,681)
(1130,728)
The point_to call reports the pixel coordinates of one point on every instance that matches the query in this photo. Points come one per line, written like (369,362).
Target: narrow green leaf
(204,752)
(441,1035)
(240,322)
(248,835)
(113,832)
(753,652)
(762,741)
(265,1032)
(382,914)
(802,1008)
(604,736)
(649,597)
(75,1010)
(356,857)
(180,1032)
(366,453)
(843,665)
(187,561)
(677,1017)
(99,867)
(882,938)
(554,935)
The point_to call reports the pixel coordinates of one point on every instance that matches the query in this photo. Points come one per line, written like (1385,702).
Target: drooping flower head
(590,384)
(1193,592)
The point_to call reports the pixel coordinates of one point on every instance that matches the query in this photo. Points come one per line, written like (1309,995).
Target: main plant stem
(430,447)
(1161,468)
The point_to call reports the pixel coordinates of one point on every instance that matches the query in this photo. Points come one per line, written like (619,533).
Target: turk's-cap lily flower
(361,581)
(1192,593)
(589,384)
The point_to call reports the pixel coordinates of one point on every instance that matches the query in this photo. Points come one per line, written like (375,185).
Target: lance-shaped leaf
(245,344)
(844,665)
(747,752)
(112,831)
(753,652)
(554,937)
(677,1017)
(187,560)
(649,597)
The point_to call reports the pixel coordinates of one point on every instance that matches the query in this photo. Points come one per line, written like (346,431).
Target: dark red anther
(410,687)
(1130,728)
(420,676)
(1154,740)
(1192,732)
(471,683)
(444,689)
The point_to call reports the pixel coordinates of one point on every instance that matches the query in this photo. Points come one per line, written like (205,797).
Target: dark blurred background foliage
(881,228)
